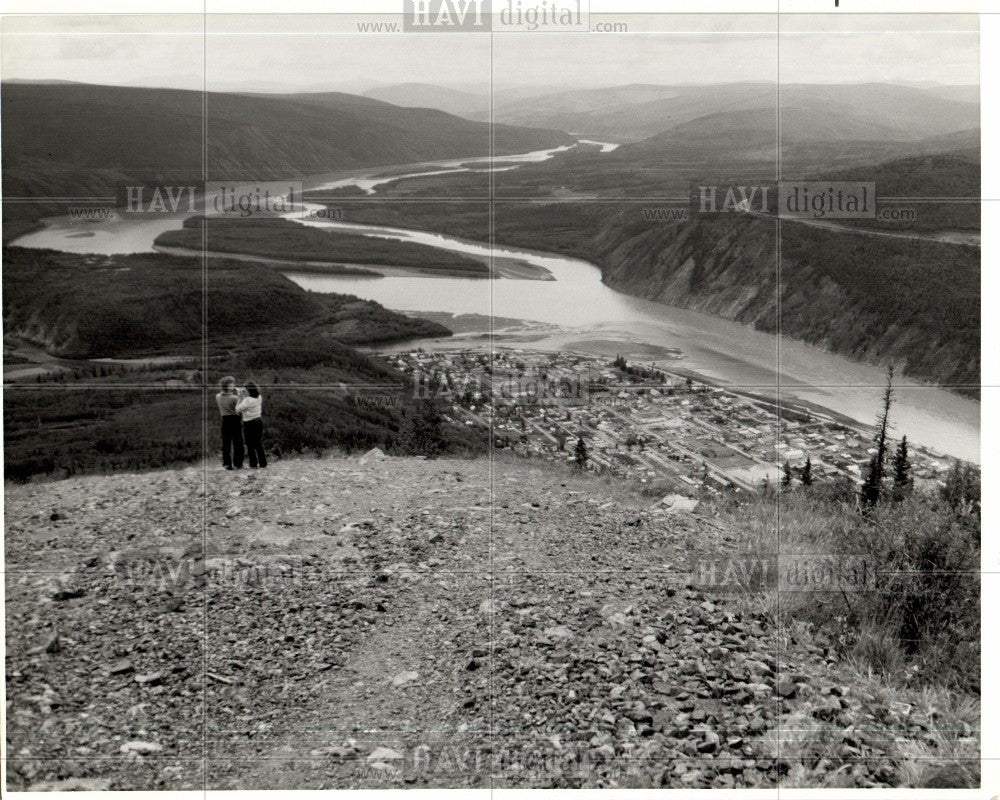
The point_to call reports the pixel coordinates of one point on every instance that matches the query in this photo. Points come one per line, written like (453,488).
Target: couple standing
(241,419)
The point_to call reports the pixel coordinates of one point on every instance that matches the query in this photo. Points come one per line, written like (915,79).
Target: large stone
(710,743)
(384,754)
(678,503)
(406,677)
(141,748)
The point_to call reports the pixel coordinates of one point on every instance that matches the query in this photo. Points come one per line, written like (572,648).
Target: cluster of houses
(640,421)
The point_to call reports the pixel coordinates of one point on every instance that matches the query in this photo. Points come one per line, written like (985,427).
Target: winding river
(577,311)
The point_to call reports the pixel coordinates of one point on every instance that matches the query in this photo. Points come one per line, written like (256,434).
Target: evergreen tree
(806,475)
(420,431)
(902,481)
(786,475)
(871,489)
(580,453)
(962,488)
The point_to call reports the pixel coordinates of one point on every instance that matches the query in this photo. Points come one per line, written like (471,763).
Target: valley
(647,258)
(388,411)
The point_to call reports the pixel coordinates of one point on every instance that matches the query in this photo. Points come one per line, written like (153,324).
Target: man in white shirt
(232,431)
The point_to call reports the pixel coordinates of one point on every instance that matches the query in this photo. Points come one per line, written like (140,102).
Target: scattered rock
(141,748)
(171,604)
(72,785)
(50,644)
(65,592)
(595,657)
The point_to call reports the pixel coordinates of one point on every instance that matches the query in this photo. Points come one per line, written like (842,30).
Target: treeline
(318,396)
(923,177)
(65,431)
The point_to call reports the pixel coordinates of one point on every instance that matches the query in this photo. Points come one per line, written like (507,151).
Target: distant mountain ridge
(79,139)
(426,95)
(638,111)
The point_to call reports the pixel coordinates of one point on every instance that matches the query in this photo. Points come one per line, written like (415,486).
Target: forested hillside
(135,338)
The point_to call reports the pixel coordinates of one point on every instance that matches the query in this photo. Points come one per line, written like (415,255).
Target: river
(577,311)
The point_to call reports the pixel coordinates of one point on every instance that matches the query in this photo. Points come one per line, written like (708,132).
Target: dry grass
(914,545)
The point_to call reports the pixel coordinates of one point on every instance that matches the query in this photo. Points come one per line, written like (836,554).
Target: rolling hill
(851,111)
(78,139)
(78,306)
(730,141)
(427,95)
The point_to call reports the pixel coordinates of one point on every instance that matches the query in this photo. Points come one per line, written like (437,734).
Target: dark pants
(253,431)
(232,441)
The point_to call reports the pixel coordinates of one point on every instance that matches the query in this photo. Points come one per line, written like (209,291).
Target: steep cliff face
(728,270)
(871,298)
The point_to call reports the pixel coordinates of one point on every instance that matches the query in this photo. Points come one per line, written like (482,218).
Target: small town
(644,422)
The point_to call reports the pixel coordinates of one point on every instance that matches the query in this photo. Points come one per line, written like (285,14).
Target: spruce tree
(871,489)
(902,481)
(580,453)
(420,431)
(806,475)
(786,475)
(962,488)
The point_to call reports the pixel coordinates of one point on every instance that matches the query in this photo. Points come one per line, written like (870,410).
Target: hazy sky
(246,53)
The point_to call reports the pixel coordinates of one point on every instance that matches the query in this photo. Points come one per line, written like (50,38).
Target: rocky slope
(336,623)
